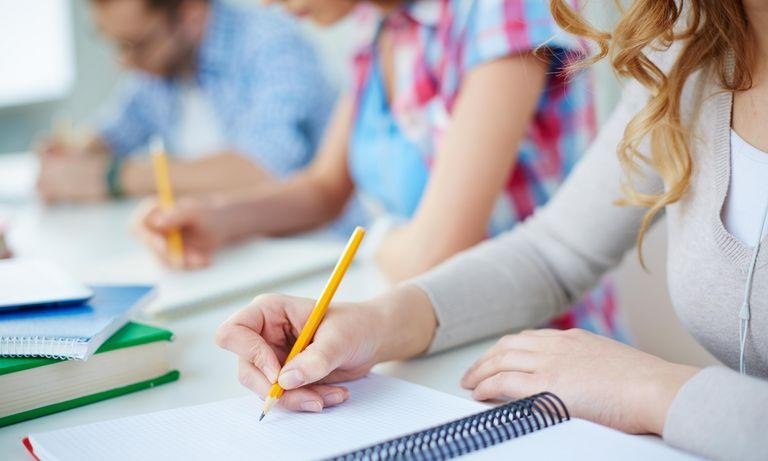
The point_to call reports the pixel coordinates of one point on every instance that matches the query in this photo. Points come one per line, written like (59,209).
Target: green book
(134,358)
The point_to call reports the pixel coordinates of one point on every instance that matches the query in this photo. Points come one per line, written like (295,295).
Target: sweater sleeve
(718,405)
(532,273)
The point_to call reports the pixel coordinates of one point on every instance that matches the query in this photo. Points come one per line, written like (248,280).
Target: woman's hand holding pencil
(262,336)
(201,230)
(351,339)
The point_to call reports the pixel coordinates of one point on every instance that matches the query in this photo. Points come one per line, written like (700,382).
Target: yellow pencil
(165,194)
(318,312)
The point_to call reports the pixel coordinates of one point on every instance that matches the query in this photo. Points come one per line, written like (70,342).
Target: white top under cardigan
(747,192)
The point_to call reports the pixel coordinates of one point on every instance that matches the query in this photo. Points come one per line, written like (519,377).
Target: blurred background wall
(643,296)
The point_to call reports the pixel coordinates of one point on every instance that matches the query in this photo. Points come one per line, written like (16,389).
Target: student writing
(693,109)
(459,123)
(235,92)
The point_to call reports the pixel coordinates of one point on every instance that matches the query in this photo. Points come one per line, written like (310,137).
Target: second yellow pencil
(165,195)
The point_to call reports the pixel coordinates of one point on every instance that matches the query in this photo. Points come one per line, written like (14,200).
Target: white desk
(207,373)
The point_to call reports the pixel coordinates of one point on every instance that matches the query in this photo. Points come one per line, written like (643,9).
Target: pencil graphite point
(268,403)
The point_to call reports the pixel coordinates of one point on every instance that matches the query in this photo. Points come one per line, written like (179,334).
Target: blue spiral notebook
(71,332)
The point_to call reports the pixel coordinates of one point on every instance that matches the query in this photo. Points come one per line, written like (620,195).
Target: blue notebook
(72,332)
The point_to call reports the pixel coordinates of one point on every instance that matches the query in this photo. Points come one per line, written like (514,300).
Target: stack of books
(55,356)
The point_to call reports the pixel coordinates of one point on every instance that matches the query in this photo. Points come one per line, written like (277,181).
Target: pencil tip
(262,416)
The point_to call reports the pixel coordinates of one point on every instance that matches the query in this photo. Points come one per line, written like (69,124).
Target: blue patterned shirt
(262,79)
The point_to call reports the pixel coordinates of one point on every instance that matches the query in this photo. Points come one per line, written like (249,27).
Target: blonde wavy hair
(710,31)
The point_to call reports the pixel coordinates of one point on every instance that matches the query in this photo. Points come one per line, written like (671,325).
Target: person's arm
(305,201)
(73,168)
(526,276)
(493,111)
(213,173)
(310,198)
(512,281)
(81,175)
(721,415)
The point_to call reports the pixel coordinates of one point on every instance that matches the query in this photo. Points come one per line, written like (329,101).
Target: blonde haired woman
(687,139)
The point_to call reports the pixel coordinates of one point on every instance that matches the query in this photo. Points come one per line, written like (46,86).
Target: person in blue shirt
(236,93)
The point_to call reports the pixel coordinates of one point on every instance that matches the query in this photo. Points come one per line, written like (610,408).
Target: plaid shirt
(264,84)
(436,43)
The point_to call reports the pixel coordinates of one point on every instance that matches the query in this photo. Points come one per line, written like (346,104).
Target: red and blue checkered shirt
(436,43)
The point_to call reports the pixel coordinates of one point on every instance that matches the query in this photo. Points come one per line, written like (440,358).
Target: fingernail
(333,398)
(271,373)
(311,405)
(291,379)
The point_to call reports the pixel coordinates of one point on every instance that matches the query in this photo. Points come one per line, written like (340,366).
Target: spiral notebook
(70,332)
(368,426)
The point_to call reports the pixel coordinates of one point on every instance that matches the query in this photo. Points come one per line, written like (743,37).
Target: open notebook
(114,256)
(244,269)
(379,408)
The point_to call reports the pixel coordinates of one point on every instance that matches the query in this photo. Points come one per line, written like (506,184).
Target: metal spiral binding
(40,346)
(469,434)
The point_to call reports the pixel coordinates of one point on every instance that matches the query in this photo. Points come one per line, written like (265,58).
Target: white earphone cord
(745,312)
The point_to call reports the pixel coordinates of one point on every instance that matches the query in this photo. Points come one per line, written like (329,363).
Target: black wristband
(114,185)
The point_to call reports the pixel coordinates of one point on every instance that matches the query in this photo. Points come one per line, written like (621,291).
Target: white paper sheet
(379,408)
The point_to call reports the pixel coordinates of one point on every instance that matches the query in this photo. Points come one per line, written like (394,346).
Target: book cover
(131,335)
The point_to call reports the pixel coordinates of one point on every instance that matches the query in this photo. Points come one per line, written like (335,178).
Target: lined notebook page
(379,408)
(269,261)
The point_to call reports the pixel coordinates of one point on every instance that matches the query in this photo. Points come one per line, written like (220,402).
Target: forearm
(305,201)
(278,208)
(418,246)
(224,171)
(534,272)
(473,165)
